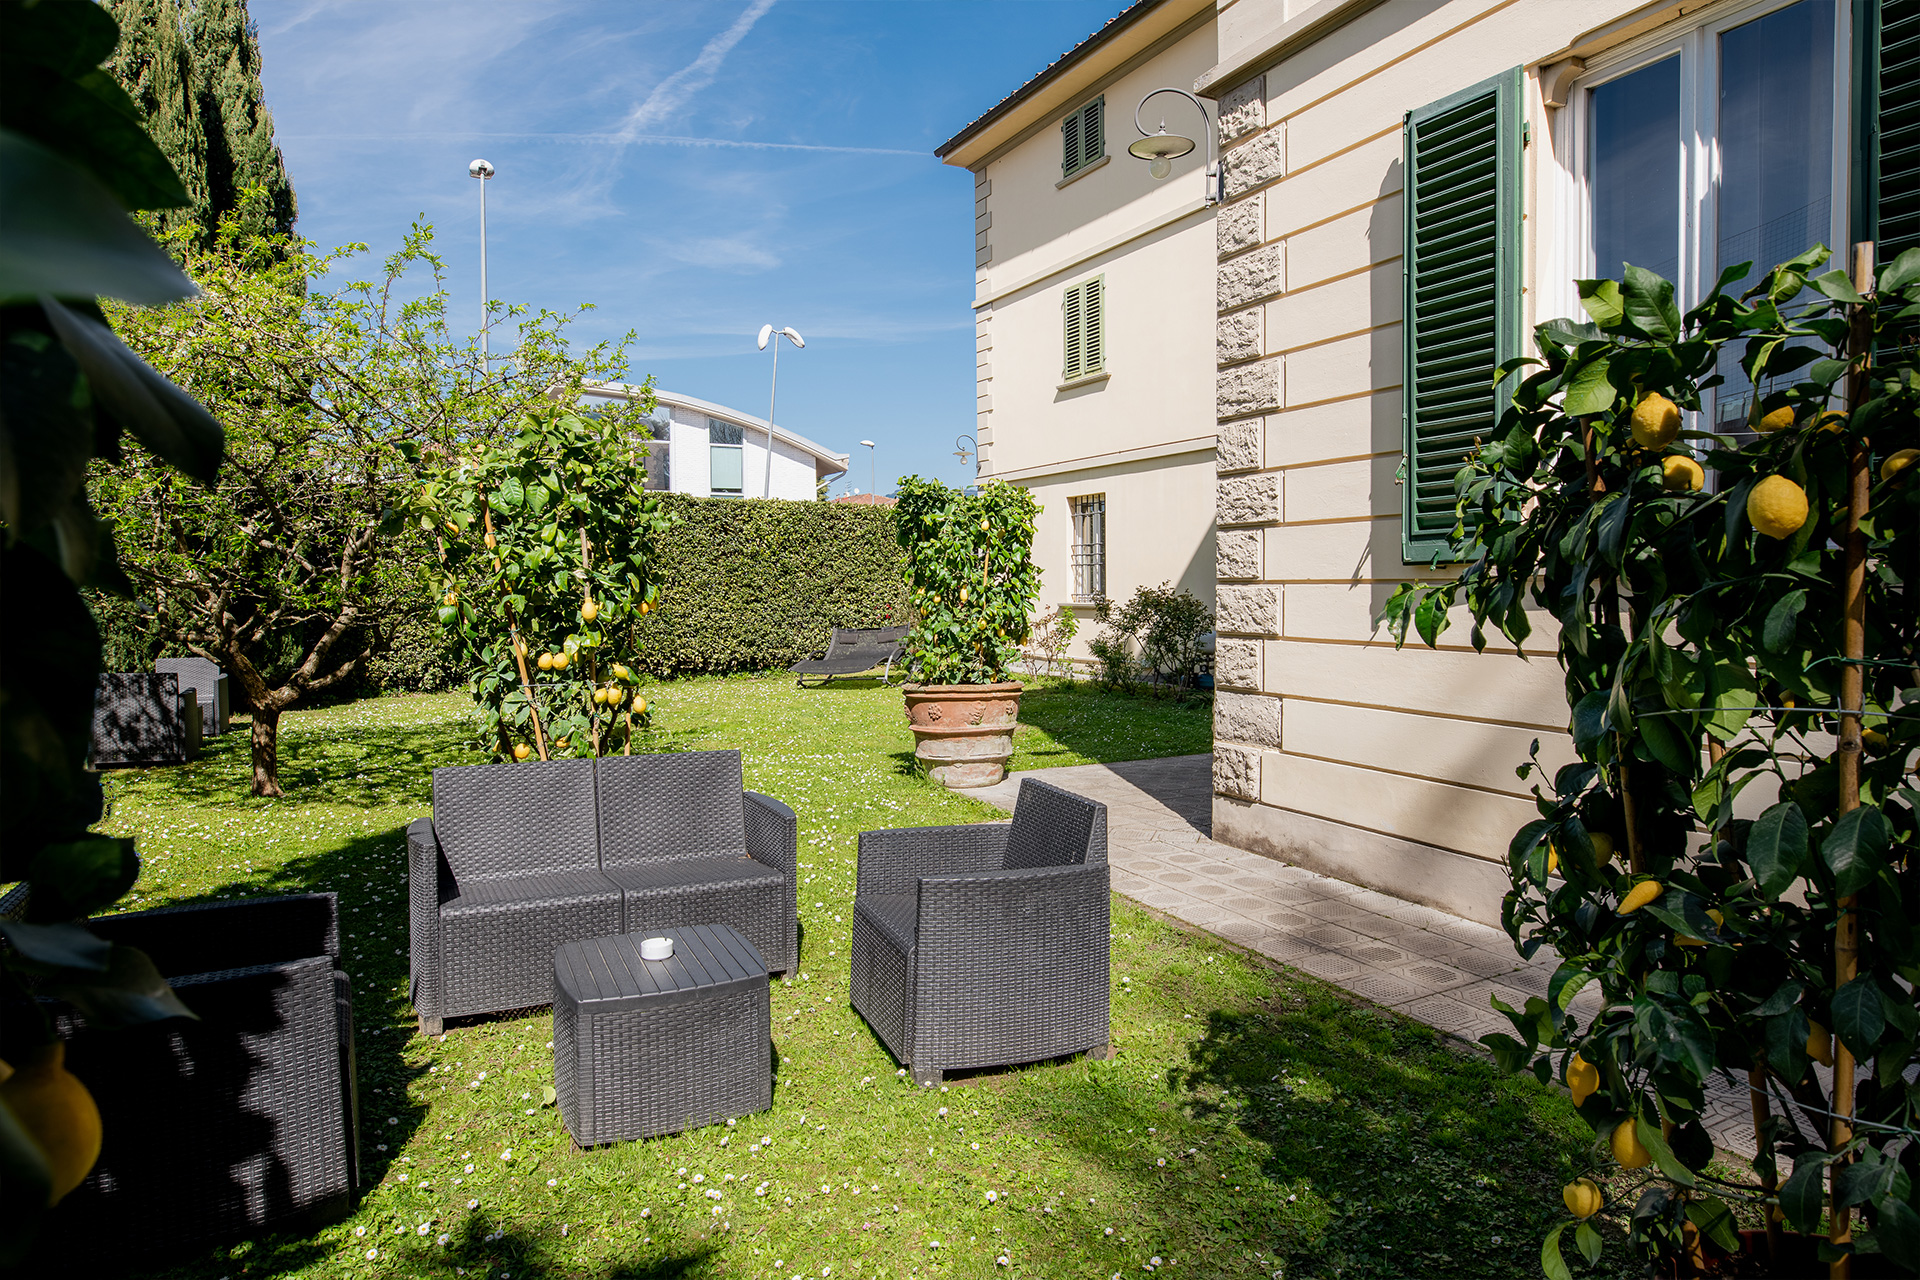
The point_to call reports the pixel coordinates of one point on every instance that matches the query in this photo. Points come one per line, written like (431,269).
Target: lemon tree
(1737,625)
(971,580)
(546,549)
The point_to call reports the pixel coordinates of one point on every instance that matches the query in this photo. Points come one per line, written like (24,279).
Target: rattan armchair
(242,1121)
(986,945)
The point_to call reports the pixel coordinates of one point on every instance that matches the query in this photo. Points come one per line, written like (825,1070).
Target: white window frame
(1696,45)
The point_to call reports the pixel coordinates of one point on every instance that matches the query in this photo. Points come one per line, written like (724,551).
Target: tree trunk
(266,751)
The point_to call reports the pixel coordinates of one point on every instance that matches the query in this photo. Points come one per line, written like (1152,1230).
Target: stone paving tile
(1429,965)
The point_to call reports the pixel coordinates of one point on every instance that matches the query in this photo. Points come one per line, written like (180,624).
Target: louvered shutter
(1093,319)
(1887,123)
(1074,344)
(1083,137)
(1462,276)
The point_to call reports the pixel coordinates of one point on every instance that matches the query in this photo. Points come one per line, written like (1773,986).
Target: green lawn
(1256,1122)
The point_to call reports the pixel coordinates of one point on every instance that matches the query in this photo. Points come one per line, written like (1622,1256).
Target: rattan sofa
(986,945)
(143,719)
(241,1121)
(520,859)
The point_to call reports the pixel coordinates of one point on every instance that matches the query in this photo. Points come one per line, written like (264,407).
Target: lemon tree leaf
(69,238)
(1656,1145)
(80,877)
(1800,1198)
(1715,1221)
(1897,1230)
(1783,619)
(25,1183)
(1776,847)
(1601,300)
(1550,1260)
(548,1096)
(1856,848)
(130,991)
(63,946)
(1588,1241)
(1857,1016)
(1590,392)
(1648,302)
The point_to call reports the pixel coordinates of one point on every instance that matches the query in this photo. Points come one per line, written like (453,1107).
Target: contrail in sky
(669,94)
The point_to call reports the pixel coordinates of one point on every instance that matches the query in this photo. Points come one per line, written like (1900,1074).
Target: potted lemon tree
(971,583)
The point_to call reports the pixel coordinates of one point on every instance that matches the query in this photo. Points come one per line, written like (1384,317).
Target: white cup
(656,948)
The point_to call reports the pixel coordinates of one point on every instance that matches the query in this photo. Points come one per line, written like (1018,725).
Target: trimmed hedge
(756,584)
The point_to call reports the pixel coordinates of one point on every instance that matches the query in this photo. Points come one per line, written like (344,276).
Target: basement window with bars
(1083,137)
(728,475)
(1462,280)
(1084,319)
(1089,548)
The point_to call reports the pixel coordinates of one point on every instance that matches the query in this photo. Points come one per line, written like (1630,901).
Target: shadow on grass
(1366,1145)
(1087,724)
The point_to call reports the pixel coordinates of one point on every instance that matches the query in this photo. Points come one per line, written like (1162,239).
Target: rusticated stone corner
(1239,227)
(1236,553)
(1249,388)
(1236,772)
(1248,499)
(1243,109)
(1238,337)
(1255,163)
(1247,717)
(1237,663)
(1247,610)
(1251,276)
(1237,447)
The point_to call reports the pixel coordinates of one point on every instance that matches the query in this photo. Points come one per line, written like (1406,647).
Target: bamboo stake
(1846,937)
(519,649)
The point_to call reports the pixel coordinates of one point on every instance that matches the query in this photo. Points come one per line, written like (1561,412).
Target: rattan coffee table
(646,1047)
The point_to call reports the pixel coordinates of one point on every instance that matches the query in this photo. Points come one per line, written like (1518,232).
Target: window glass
(1089,548)
(719,432)
(1634,171)
(727,469)
(1775,196)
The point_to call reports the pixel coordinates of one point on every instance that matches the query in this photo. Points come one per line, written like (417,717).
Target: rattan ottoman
(645,1047)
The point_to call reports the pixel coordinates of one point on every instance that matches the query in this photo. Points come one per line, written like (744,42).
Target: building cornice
(1281,39)
(1172,448)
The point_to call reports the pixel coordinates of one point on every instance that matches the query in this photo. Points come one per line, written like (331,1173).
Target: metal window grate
(1089,548)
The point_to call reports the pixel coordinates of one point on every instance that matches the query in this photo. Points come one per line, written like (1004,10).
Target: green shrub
(1153,638)
(756,584)
(415,656)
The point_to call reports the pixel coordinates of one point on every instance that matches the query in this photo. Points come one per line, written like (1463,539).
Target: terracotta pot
(963,733)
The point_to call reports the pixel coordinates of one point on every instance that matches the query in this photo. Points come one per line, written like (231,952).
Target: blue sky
(694,170)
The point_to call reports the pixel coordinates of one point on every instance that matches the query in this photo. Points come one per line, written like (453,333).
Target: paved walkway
(1429,965)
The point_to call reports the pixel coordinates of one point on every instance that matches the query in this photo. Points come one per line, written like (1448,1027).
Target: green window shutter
(1083,137)
(1462,268)
(1886,187)
(1093,303)
(1083,314)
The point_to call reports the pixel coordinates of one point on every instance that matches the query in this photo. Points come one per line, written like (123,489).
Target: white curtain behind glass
(1634,171)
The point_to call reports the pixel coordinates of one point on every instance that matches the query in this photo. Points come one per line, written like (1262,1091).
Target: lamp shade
(1161,146)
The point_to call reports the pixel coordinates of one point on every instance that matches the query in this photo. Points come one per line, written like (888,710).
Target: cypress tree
(193,66)
(154,64)
(241,153)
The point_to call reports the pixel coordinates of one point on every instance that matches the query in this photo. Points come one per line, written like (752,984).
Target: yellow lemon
(1874,738)
(616,696)
(1582,1078)
(560,661)
(1627,1147)
(590,610)
(452,596)
(639,706)
(1681,474)
(1640,895)
(1602,848)
(561,744)
(1898,462)
(1777,507)
(1656,421)
(545,662)
(59,1115)
(1581,1197)
(1820,1044)
(521,751)
(620,672)
(1779,420)
(520,648)
(645,608)
(1553,859)
(963,595)
(600,697)
(1836,421)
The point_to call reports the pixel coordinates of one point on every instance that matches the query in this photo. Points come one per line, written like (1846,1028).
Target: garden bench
(986,945)
(521,859)
(851,651)
(241,1121)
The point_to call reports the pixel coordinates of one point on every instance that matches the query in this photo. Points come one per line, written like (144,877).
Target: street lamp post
(873,467)
(770,334)
(483,170)
(1161,149)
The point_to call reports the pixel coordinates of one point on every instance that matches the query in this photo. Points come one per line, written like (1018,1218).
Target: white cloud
(672,93)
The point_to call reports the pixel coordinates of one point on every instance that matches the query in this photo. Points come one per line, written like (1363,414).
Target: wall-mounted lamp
(1161,149)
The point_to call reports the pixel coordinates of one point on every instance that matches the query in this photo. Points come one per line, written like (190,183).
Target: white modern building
(711,451)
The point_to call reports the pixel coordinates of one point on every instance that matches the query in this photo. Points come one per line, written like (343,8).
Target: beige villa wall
(1392,769)
(1148,530)
(1143,435)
